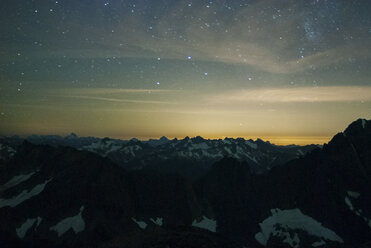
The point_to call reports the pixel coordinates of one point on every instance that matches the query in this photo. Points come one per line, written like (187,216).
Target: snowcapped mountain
(161,154)
(260,155)
(63,197)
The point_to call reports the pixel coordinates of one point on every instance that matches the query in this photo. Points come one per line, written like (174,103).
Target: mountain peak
(164,138)
(71,136)
(357,127)
(105,140)
(198,139)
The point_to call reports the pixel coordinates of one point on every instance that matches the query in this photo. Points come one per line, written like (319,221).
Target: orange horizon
(274,139)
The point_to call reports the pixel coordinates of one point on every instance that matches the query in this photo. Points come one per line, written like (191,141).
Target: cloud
(302,94)
(100,91)
(106,99)
(120,95)
(255,35)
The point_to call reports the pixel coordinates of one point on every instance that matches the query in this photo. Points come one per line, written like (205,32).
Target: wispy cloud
(102,91)
(300,94)
(118,95)
(106,99)
(248,36)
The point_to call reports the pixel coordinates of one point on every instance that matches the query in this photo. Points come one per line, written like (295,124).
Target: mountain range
(89,192)
(191,155)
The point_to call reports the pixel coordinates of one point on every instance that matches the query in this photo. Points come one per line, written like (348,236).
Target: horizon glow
(290,72)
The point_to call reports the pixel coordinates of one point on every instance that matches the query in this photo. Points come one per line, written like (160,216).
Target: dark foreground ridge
(55,196)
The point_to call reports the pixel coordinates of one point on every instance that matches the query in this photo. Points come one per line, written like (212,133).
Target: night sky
(284,71)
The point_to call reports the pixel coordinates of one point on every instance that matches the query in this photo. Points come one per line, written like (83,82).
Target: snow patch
(300,152)
(353,194)
(22,230)
(349,203)
(23,196)
(293,242)
(76,222)
(228,150)
(283,220)
(202,146)
(103,147)
(363,123)
(131,149)
(141,224)
(11,152)
(14,181)
(252,158)
(158,221)
(217,155)
(206,223)
(286,236)
(319,243)
(351,207)
(252,145)
(39,219)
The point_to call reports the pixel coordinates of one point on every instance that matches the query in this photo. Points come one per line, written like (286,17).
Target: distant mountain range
(193,155)
(110,193)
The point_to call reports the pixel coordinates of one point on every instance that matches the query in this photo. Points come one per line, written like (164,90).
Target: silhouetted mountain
(71,140)
(63,197)
(322,198)
(66,197)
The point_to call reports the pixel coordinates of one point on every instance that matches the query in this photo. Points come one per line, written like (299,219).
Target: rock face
(63,197)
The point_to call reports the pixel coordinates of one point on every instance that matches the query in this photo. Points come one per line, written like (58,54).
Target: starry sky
(285,71)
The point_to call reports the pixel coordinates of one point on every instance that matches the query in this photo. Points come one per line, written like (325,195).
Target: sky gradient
(285,71)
